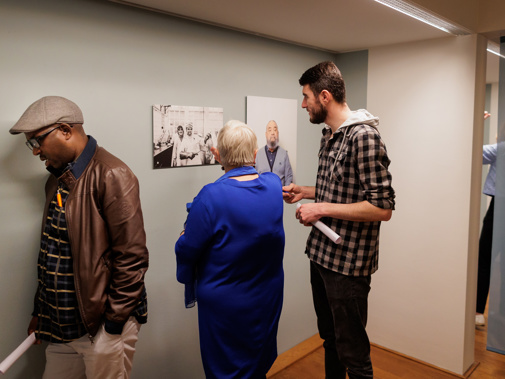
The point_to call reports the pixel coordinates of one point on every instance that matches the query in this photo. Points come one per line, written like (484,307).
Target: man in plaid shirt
(353,194)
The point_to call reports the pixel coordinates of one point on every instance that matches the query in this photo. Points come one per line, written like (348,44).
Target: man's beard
(319,115)
(272,144)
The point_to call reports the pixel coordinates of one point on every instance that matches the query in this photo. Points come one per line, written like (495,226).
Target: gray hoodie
(361,116)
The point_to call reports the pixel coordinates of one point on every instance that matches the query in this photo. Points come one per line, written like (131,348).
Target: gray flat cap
(48,111)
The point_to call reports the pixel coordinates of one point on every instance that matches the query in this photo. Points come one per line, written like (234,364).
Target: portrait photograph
(264,115)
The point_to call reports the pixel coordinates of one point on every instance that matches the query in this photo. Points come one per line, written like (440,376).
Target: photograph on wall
(183,135)
(274,121)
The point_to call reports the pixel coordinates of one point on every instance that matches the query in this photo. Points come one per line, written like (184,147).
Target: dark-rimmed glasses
(35,142)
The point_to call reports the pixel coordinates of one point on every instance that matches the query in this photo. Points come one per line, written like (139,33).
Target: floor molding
(466,375)
(313,343)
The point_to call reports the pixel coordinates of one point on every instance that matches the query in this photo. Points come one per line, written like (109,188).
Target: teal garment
(232,249)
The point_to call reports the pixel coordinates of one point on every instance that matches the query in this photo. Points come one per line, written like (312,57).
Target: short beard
(272,144)
(319,116)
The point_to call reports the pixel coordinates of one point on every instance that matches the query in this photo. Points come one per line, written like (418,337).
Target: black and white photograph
(184,135)
(274,120)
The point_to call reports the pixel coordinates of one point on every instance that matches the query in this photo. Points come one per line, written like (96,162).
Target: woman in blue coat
(230,259)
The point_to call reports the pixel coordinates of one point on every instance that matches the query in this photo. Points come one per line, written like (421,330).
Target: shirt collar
(267,150)
(77,167)
(239,171)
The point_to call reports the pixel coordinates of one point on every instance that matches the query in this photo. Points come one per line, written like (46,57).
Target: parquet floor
(388,365)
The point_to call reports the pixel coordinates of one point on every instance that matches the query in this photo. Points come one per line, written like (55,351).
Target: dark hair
(325,76)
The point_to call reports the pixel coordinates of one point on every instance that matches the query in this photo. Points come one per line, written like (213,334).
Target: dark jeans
(485,248)
(341,304)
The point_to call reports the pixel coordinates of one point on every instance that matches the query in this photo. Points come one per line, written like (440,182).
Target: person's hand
(486,115)
(292,193)
(32,327)
(308,213)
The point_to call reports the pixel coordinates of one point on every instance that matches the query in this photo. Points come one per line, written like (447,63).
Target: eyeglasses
(35,142)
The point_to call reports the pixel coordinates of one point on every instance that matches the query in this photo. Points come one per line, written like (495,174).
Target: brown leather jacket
(107,238)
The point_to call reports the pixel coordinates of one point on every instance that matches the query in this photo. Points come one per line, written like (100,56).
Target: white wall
(423,296)
(116,62)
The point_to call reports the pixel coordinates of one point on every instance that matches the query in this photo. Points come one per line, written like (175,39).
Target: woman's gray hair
(236,143)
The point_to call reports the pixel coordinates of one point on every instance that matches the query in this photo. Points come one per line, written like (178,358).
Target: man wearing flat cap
(91,297)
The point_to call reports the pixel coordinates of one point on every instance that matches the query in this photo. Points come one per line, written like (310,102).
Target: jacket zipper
(76,281)
(59,203)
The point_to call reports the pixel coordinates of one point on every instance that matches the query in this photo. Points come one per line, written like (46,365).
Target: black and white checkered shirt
(353,167)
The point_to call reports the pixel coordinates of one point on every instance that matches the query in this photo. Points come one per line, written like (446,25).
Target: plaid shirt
(353,167)
(56,302)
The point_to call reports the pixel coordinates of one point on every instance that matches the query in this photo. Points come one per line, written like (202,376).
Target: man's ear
(215,152)
(325,97)
(67,130)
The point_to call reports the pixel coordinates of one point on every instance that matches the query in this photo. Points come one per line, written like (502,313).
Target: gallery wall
(116,62)
(422,302)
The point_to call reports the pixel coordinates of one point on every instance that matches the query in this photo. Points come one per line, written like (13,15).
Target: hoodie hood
(361,116)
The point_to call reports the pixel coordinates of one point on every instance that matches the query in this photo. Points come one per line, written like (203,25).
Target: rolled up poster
(14,356)
(325,229)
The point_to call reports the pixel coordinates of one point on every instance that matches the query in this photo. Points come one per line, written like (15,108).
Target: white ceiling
(332,25)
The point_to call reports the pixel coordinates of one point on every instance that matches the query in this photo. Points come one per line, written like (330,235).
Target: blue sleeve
(195,240)
(489,153)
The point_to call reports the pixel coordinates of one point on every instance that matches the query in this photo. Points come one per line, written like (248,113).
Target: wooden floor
(308,363)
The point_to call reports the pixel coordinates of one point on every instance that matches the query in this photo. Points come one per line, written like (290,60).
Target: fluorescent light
(495,53)
(425,16)
(494,48)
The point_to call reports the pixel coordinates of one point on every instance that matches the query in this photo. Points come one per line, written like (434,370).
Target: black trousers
(341,304)
(485,248)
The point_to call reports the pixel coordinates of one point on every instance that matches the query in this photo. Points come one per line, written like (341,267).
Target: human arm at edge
(361,212)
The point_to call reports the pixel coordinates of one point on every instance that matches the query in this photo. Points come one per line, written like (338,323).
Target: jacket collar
(75,169)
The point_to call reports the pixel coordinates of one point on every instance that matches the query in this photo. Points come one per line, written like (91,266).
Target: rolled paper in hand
(14,356)
(325,229)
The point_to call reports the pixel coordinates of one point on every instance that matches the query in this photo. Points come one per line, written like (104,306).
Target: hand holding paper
(325,229)
(14,356)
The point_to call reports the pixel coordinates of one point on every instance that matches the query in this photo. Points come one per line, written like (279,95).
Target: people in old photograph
(179,137)
(191,148)
(272,157)
(184,135)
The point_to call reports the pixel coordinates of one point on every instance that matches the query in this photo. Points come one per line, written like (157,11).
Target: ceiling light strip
(425,16)
(494,48)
